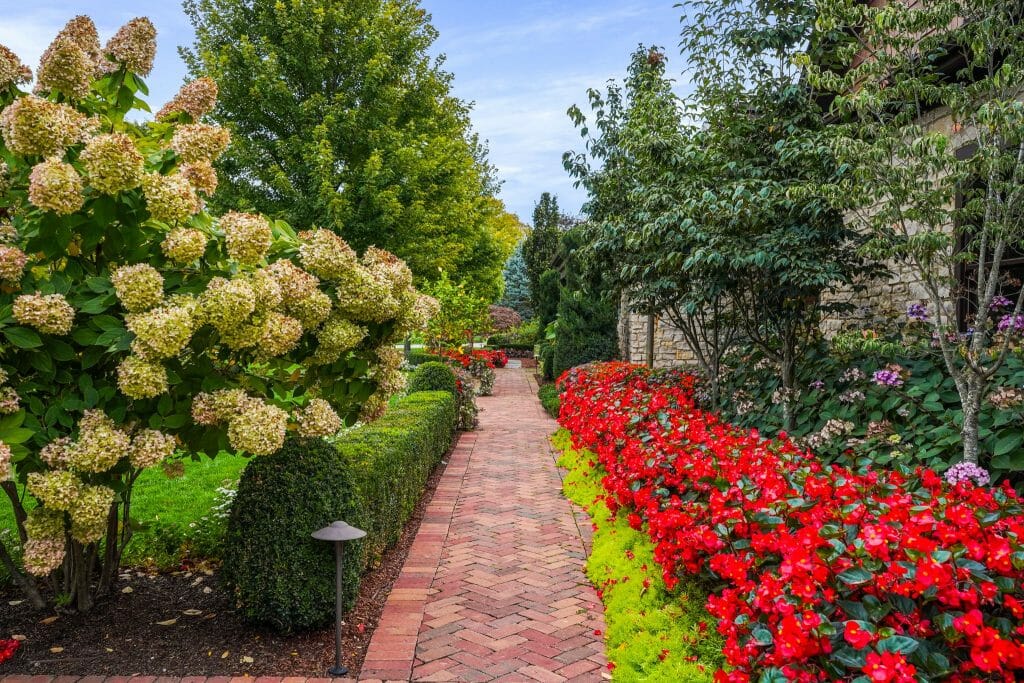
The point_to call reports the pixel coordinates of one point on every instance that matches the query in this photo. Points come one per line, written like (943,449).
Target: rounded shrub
(433,376)
(279,575)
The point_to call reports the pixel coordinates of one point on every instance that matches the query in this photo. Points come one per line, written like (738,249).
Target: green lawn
(172,511)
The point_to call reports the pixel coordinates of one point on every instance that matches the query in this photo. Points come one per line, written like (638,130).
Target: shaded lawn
(166,507)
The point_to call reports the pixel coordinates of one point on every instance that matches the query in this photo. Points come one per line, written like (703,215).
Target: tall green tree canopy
(341,119)
(541,245)
(720,204)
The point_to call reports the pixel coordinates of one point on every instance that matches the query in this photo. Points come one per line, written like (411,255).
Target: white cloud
(524,68)
(525,121)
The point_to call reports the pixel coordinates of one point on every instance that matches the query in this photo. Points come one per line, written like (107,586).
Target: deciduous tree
(939,200)
(340,118)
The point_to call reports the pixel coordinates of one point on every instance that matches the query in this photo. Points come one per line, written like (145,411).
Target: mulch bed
(182,624)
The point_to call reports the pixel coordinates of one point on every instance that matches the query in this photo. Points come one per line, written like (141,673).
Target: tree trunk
(111,554)
(788,370)
(80,567)
(408,347)
(969,431)
(650,341)
(625,332)
(19,510)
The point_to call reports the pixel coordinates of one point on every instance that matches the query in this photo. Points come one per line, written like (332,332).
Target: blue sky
(522,62)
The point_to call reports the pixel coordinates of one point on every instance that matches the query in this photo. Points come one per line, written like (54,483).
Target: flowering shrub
(823,572)
(486,357)
(465,395)
(894,397)
(133,323)
(480,365)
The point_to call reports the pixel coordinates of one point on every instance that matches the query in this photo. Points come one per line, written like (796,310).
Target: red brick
(502,553)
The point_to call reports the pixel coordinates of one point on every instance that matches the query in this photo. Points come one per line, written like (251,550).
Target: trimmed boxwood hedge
(372,477)
(417,358)
(496,344)
(390,461)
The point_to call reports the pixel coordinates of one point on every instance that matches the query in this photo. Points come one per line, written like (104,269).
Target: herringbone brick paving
(493,588)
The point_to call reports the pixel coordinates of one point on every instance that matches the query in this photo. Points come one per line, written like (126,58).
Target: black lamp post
(338,533)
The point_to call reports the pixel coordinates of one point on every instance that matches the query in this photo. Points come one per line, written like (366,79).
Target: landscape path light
(338,533)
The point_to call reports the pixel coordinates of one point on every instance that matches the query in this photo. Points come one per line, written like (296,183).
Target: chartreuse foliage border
(653,634)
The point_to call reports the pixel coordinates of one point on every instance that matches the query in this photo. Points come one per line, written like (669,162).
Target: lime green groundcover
(652,634)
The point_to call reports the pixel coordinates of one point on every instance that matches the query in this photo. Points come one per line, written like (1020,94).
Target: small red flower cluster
(492,359)
(821,572)
(8,648)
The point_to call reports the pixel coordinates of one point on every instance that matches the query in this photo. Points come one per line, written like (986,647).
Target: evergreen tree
(545,212)
(517,284)
(541,246)
(586,327)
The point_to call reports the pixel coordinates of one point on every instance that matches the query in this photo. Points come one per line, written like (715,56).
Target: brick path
(493,588)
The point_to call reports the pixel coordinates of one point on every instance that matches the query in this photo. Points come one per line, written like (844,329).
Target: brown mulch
(182,624)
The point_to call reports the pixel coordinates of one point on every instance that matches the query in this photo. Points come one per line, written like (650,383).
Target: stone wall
(670,348)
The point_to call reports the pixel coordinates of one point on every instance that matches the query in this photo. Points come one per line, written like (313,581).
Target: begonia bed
(820,572)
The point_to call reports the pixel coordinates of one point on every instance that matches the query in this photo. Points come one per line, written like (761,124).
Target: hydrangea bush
(134,325)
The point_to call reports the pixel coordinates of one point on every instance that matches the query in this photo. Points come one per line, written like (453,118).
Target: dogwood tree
(944,201)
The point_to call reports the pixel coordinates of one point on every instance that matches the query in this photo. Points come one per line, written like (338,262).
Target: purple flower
(887,378)
(967,471)
(1011,323)
(817,385)
(999,302)
(917,312)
